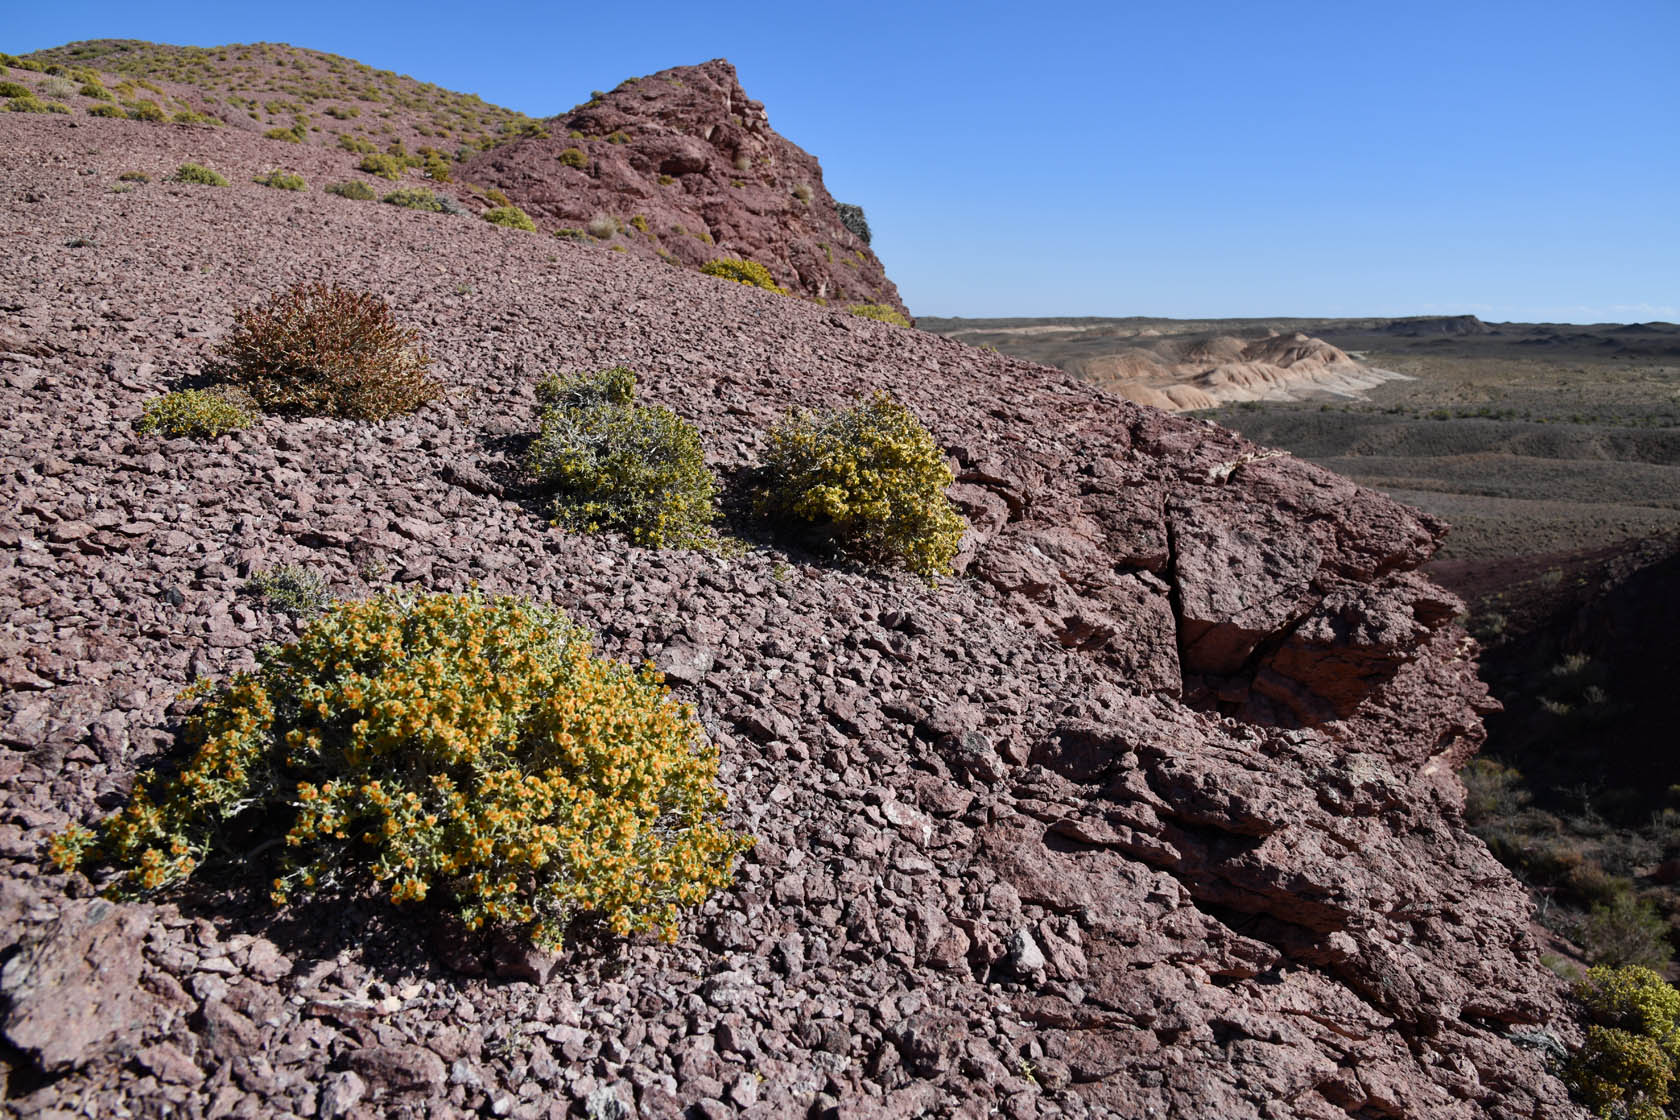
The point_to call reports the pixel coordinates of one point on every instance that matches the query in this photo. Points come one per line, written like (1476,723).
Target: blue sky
(1513,160)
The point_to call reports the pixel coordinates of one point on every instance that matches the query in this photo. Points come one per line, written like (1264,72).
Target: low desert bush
(602,227)
(106,111)
(35,105)
(618,137)
(196,414)
(353,189)
(1632,1049)
(282,180)
(134,177)
(414,198)
(803,193)
(355,144)
(97,92)
(667,180)
(573,157)
(870,479)
(56,88)
(15,89)
(381,164)
(325,350)
(743,272)
(852,218)
(1626,930)
(880,312)
(299,591)
(284,135)
(147,111)
(614,464)
(452,747)
(200,174)
(569,234)
(511,216)
(497,198)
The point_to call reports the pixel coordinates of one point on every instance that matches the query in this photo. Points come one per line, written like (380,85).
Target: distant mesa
(1179,374)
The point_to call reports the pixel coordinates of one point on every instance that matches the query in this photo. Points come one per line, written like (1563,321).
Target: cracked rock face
(1152,812)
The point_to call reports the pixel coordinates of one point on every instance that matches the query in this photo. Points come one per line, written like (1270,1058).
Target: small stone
(340,1092)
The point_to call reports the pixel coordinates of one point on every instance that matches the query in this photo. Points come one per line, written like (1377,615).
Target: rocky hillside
(683,166)
(1150,812)
(320,98)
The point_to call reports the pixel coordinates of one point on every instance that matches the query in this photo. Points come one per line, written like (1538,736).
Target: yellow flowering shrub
(871,478)
(613,464)
(325,350)
(743,272)
(512,217)
(1628,1064)
(880,312)
(196,413)
(449,746)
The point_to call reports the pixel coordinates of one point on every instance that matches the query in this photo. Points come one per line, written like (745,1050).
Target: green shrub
(198,173)
(147,111)
(196,413)
(743,272)
(286,135)
(15,89)
(381,164)
(134,177)
(871,479)
(497,198)
(355,189)
(1632,1049)
(354,143)
(436,168)
(325,350)
(666,180)
(618,137)
(512,217)
(34,105)
(342,112)
(282,180)
(97,92)
(414,198)
(571,157)
(640,222)
(880,312)
(1625,930)
(617,465)
(852,218)
(299,591)
(447,746)
(571,234)
(106,111)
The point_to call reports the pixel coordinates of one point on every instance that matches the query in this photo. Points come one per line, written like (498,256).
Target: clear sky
(1511,160)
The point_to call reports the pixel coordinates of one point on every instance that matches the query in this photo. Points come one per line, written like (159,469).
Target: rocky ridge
(1151,813)
(1210,372)
(685,168)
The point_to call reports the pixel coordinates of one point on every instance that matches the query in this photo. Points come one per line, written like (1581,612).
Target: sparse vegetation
(742,271)
(196,414)
(147,111)
(321,349)
(14,89)
(199,174)
(614,464)
(448,746)
(298,591)
(512,217)
(880,312)
(134,177)
(106,111)
(853,219)
(574,157)
(602,227)
(382,164)
(869,479)
(415,198)
(353,189)
(33,104)
(803,193)
(1632,1050)
(281,180)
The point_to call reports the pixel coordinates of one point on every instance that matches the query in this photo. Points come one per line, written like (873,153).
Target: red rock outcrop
(683,166)
(1150,813)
